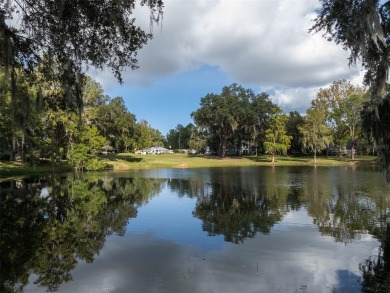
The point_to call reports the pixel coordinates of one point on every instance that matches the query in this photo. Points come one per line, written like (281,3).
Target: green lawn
(129,161)
(8,169)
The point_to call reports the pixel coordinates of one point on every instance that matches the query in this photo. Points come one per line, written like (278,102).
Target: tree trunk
(222,147)
(352,134)
(13,152)
(352,152)
(273,158)
(315,156)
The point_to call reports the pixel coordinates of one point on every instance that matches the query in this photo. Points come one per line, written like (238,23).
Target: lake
(249,229)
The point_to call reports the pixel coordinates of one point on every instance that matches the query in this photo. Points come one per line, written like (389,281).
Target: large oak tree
(73,34)
(221,113)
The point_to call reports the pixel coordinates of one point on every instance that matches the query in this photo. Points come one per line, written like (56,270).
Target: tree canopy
(235,115)
(342,103)
(316,135)
(75,33)
(363,27)
(63,38)
(41,127)
(276,138)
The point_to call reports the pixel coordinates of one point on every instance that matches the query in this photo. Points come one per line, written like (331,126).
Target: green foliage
(233,115)
(143,139)
(363,27)
(179,138)
(198,140)
(316,135)
(294,120)
(276,139)
(86,144)
(98,33)
(5,117)
(42,58)
(48,235)
(257,112)
(77,156)
(52,130)
(94,164)
(342,102)
(156,137)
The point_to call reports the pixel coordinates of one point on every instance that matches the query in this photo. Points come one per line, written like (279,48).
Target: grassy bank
(131,161)
(9,169)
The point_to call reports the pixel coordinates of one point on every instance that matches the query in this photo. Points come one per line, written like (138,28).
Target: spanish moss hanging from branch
(363,28)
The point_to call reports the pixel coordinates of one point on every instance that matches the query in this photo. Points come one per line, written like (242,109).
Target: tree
(46,236)
(276,138)
(198,139)
(147,136)
(156,137)
(222,114)
(18,115)
(236,115)
(363,27)
(85,145)
(93,98)
(116,123)
(179,138)
(342,102)
(74,33)
(257,112)
(316,136)
(294,120)
(353,106)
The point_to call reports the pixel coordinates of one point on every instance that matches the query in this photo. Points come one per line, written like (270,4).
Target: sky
(203,45)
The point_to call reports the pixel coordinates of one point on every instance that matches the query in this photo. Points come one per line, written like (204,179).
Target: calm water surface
(253,229)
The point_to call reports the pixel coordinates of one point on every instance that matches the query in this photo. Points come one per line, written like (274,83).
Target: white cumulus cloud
(263,43)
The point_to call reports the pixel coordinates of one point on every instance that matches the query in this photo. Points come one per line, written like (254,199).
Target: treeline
(40,118)
(37,120)
(238,121)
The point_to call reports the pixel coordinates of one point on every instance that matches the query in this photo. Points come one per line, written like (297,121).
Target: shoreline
(129,161)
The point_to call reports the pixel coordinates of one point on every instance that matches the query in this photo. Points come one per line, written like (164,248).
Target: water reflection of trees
(347,204)
(242,204)
(376,269)
(235,214)
(344,203)
(48,226)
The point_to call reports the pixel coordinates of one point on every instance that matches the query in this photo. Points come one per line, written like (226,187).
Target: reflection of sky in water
(166,250)
(296,218)
(169,217)
(289,260)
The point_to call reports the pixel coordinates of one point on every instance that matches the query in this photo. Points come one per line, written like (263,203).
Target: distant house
(343,150)
(188,151)
(108,150)
(154,151)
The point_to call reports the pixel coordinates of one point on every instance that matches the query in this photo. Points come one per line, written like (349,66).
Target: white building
(155,151)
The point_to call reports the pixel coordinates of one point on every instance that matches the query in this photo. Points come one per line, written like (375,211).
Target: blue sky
(204,45)
(170,100)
